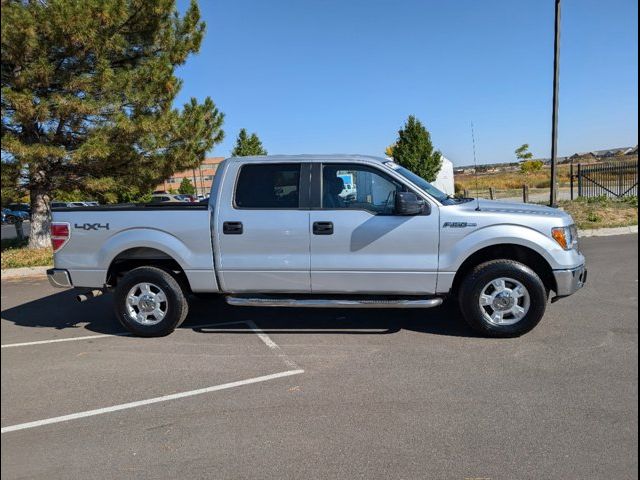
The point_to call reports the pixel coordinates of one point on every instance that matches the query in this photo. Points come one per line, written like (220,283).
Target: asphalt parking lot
(9,231)
(293,393)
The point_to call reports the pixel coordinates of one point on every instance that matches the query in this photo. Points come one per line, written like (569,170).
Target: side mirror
(408,203)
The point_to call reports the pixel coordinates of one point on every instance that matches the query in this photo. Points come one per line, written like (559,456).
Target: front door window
(358,187)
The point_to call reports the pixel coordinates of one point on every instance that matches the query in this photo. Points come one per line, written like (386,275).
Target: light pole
(554,119)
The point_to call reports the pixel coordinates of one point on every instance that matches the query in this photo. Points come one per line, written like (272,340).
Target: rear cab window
(268,186)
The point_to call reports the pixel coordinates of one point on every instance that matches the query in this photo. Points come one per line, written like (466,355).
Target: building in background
(445,180)
(201,177)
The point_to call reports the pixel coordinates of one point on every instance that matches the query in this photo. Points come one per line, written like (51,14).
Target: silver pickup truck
(278,231)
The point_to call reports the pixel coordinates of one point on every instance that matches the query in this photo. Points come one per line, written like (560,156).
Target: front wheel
(149,302)
(502,298)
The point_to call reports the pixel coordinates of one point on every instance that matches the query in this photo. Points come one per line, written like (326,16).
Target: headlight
(567,237)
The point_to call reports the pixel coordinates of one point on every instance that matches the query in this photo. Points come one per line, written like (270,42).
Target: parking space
(293,393)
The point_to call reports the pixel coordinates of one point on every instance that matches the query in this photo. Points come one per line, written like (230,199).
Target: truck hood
(516,211)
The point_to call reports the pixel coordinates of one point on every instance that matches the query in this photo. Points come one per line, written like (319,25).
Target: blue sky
(341,76)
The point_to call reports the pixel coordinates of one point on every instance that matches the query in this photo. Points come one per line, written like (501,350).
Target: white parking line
(57,340)
(140,403)
(109,335)
(271,344)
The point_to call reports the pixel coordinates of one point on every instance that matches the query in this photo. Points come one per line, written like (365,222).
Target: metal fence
(615,179)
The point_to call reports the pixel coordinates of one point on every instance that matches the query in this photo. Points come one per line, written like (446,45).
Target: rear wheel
(150,302)
(502,298)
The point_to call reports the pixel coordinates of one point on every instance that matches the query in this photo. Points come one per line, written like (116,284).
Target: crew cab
(278,231)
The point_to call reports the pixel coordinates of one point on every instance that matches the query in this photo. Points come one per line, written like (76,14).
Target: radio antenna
(475,166)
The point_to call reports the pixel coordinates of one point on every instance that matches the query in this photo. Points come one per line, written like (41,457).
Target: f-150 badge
(459,224)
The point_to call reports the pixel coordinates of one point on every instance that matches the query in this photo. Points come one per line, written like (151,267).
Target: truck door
(262,228)
(359,244)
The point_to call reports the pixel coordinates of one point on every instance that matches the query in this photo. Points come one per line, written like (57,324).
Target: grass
(602,212)
(15,254)
(511,180)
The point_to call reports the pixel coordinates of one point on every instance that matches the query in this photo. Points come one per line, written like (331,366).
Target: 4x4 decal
(91,226)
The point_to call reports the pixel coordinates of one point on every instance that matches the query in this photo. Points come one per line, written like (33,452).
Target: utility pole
(553,200)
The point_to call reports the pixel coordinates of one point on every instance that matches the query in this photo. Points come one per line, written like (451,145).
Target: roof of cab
(308,158)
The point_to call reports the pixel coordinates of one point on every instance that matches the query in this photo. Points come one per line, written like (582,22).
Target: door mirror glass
(408,203)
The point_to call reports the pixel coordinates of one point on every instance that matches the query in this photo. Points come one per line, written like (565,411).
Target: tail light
(59,235)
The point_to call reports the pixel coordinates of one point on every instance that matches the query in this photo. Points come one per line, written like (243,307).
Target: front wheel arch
(516,253)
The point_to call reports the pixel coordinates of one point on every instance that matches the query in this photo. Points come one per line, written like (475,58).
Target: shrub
(593,217)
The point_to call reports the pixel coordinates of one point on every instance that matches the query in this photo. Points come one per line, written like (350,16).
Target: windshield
(420,182)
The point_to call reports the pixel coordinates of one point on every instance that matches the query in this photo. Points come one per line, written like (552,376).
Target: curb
(25,272)
(12,273)
(607,232)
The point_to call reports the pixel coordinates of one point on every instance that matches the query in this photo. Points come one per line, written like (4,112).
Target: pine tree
(413,150)
(87,99)
(186,187)
(247,146)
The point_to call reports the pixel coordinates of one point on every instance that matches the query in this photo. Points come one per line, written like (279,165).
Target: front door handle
(232,228)
(323,228)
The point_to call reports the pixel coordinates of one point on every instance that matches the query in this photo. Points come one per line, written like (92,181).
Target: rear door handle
(232,228)
(323,228)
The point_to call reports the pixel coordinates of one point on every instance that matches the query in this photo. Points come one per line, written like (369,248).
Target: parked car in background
(166,198)
(19,207)
(9,217)
(63,204)
(59,204)
(349,193)
(186,197)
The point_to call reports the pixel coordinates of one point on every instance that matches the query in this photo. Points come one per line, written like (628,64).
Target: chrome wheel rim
(147,304)
(504,301)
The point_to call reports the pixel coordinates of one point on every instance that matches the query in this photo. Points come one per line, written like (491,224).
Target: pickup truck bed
(127,234)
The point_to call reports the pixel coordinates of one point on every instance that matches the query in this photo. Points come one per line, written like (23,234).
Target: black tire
(482,275)
(176,305)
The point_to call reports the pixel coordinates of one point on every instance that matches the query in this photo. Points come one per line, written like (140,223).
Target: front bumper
(569,281)
(59,278)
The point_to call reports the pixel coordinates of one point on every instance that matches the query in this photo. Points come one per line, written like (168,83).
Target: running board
(331,303)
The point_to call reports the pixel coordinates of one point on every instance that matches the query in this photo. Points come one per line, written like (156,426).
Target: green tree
(87,99)
(523,153)
(413,150)
(389,151)
(186,187)
(247,145)
(531,166)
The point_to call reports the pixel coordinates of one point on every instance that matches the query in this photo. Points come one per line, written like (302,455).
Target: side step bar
(331,303)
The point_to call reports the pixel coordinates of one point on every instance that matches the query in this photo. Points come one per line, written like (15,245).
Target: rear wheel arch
(136,257)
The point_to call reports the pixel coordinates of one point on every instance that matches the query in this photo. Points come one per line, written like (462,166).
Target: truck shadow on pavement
(445,320)
(61,311)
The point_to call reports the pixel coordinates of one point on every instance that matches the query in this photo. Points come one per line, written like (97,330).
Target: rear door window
(270,186)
